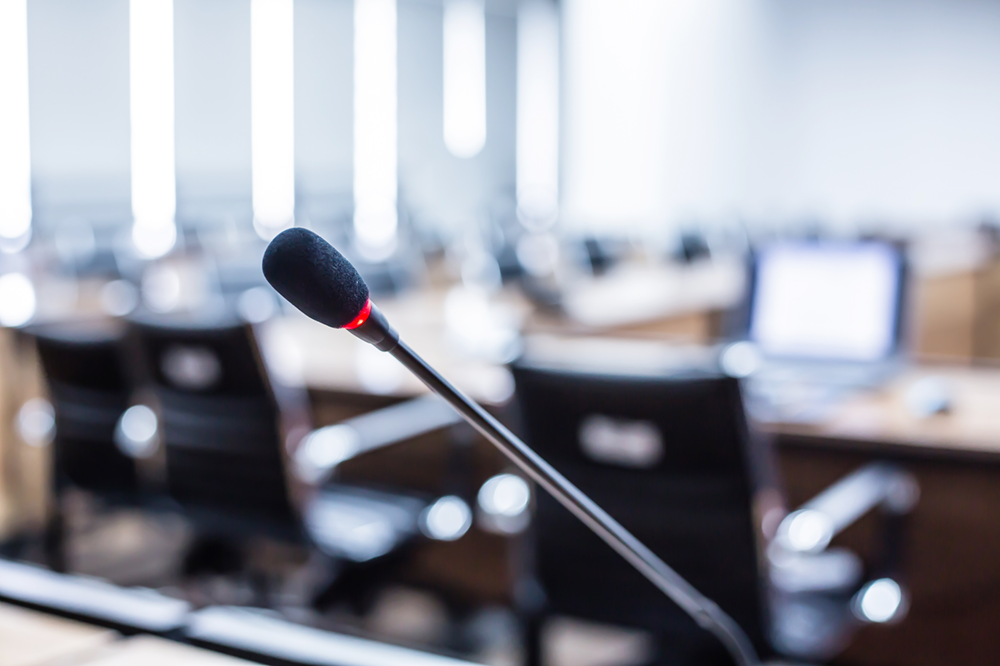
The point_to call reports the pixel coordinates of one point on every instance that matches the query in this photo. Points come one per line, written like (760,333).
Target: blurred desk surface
(32,638)
(324,359)
(29,638)
(454,329)
(952,540)
(333,361)
(152,651)
(879,421)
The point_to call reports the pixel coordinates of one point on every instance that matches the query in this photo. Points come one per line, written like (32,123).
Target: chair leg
(54,539)
(261,587)
(327,593)
(210,554)
(358,584)
(533,647)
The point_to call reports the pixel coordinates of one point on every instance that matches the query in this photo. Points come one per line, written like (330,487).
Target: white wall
(78,94)
(441,188)
(79,73)
(771,110)
(212,105)
(892,107)
(324,107)
(847,111)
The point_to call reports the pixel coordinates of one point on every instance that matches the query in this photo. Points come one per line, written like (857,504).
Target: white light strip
(151,60)
(537,112)
(375,217)
(15,147)
(272,111)
(464,77)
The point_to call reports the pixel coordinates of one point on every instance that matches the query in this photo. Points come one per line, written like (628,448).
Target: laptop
(826,319)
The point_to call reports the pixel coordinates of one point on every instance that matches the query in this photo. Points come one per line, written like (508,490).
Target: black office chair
(227,424)
(668,454)
(219,428)
(89,391)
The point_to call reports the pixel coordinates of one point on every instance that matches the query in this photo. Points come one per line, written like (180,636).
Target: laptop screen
(827,300)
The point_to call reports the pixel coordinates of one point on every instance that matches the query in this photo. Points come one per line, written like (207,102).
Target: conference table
(952,542)
(880,419)
(29,637)
(33,638)
(55,619)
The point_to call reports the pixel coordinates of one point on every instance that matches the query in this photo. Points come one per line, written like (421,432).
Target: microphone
(319,281)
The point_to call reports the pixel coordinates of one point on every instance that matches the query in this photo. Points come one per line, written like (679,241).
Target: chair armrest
(325,448)
(815,523)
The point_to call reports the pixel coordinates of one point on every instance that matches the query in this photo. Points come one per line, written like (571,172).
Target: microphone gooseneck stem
(705,612)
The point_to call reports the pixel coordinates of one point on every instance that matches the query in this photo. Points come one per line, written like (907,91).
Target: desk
(152,651)
(22,468)
(880,422)
(953,534)
(661,302)
(299,350)
(28,638)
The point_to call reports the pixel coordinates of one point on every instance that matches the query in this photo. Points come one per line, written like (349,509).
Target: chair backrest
(218,418)
(667,455)
(89,389)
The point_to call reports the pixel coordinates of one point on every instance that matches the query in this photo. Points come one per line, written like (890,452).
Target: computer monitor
(827,300)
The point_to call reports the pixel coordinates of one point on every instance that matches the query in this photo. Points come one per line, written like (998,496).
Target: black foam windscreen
(314,277)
